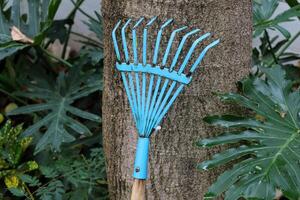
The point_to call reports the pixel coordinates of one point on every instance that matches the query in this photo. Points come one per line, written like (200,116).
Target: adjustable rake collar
(152,88)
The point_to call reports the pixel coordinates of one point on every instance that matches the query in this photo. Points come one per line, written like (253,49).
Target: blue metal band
(123,67)
(141,159)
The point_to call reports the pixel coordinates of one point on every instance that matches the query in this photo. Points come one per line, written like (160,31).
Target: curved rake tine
(158,38)
(163,103)
(190,52)
(199,59)
(152,102)
(177,92)
(132,90)
(148,102)
(124,41)
(165,58)
(160,96)
(137,81)
(138,94)
(115,41)
(145,39)
(134,42)
(181,46)
(133,108)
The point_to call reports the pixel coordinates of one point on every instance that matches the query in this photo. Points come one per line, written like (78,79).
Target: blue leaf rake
(152,88)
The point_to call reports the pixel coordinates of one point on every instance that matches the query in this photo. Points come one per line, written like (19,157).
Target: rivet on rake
(137,169)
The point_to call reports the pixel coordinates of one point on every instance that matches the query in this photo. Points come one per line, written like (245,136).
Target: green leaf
(52,8)
(265,147)
(32,27)
(53,191)
(9,48)
(58,124)
(283,31)
(18,192)
(262,16)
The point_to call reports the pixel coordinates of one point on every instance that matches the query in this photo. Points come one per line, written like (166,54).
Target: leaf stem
(270,47)
(84,13)
(284,48)
(291,40)
(12,96)
(71,17)
(98,43)
(28,191)
(56,58)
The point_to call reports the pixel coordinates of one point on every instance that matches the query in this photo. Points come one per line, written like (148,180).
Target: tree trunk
(173,154)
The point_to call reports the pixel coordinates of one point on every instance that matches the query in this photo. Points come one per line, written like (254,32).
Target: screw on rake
(152,87)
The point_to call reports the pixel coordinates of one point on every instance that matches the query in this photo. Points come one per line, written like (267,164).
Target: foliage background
(48,92)
(262,146)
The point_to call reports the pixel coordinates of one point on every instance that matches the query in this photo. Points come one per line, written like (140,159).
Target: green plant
(262,17)
(265,144)
(34,24)
(56,105)
(83,177)
(12,167)
(54,97)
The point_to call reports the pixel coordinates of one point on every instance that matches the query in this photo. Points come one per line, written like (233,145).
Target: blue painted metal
(152,87)
(141,158)
(123,67)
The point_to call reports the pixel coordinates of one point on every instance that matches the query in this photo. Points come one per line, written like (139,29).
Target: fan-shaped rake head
(151,83)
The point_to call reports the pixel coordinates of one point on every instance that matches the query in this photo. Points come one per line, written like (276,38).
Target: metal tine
(176,93)
(145,39)
(148,101)
(163,103)
(144,77)
(152,102)
(173,34)
(134,40)
(115,41)
(199,59)
(138,94)
(137,81)
(190,52)
(129,96)
(125,48)
(145,105)
(143,99)
(181,46)
(131,86)
(158,38)
(161,94)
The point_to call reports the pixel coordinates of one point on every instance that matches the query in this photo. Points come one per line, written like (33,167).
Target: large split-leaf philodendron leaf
(267,146)
(57,109)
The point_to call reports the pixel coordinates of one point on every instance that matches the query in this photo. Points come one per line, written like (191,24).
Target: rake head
(152,87)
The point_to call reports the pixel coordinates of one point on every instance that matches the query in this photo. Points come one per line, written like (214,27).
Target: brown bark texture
(173,153)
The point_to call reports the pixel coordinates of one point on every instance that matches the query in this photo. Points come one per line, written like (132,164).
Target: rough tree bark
(173,156)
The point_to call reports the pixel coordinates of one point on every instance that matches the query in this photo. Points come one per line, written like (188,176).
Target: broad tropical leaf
(57,109)
(262,16)
(33,24)
(266,146)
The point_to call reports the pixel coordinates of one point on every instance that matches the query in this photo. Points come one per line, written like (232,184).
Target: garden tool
(152,85)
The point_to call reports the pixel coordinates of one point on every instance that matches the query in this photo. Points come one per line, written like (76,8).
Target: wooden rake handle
(138,190)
